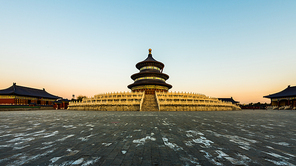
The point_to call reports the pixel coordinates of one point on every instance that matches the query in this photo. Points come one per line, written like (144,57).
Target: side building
(20,95)
(285,99)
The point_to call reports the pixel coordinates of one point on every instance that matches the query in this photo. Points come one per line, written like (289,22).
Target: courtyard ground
(63,137)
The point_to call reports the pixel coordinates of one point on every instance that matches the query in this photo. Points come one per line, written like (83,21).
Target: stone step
(150,103)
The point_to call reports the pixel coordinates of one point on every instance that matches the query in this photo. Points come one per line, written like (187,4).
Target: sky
(230,48)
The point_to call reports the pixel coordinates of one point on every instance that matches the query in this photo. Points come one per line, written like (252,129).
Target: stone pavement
(62,137)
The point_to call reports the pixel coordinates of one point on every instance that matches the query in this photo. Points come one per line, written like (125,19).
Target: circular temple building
(150,78)
(149,92)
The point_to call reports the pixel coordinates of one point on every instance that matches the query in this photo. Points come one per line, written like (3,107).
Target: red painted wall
(6,101)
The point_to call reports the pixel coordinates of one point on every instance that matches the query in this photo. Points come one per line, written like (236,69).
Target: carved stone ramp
(150,103)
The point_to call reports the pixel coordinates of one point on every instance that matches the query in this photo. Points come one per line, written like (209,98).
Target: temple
(150,92)
(20,95)
(150,78)
(285,99)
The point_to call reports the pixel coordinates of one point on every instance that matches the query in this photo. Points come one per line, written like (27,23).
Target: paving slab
(65,137)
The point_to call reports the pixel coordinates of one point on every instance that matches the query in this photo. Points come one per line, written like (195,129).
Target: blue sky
(243,49)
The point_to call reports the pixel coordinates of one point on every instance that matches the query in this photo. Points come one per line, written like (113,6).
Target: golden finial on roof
(150,50)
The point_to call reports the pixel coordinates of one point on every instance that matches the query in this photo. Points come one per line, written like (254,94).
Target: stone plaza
(65,137)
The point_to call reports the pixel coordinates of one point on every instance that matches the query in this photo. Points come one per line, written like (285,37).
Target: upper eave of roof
(149,61)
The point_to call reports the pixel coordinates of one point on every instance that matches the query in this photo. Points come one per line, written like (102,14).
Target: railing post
(142,100)
(158,105)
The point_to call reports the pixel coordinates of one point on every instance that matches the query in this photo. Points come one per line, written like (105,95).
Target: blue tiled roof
(26,91)
(290,91)
(150,60)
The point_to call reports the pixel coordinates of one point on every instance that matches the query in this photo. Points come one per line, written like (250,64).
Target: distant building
(285,98)
(254,106)
(229,100)
(20,95)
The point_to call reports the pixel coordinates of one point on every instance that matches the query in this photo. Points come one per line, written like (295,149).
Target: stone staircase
(149,103)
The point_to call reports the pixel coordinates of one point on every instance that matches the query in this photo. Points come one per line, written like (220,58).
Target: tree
(80,97)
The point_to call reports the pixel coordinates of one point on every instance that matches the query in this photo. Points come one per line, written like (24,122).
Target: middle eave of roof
(147,74)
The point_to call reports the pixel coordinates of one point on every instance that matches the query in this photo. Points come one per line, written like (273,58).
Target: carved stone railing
(142,100)
(119,98)
(165,101)
(158,105)
(190,99)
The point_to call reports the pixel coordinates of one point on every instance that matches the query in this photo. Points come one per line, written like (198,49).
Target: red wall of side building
(6,101)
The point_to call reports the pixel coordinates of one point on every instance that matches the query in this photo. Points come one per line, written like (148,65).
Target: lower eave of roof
(152,83)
